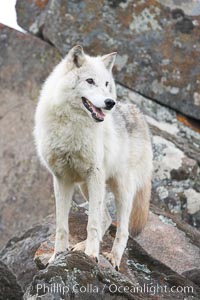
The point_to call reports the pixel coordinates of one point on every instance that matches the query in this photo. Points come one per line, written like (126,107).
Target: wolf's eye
(90,81)
(107,83)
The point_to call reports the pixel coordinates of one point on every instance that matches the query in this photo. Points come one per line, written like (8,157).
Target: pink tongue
(98,112)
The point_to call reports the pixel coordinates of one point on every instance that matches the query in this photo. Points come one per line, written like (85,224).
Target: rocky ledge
(146,272)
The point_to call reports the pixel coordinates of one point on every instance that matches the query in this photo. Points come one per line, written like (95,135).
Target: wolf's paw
(52,258)
(93,252)
(115,262)
(79,246)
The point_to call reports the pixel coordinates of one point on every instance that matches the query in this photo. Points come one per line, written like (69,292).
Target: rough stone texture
(9,289)
(35,12)
(177,252)
(193,275)
(153,39)
(26,192)
(77,277)
(139,264)
(18,254)
(149,260)
(191,8)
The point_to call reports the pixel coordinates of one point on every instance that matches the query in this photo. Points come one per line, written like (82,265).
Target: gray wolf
(85,137)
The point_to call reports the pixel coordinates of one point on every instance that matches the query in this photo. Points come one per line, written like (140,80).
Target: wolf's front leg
(124,195)
(63,193)
(96,191)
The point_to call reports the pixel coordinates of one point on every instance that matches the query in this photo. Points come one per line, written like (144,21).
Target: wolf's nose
(109,103)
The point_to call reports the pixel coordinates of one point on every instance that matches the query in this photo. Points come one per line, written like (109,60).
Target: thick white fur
(77,150)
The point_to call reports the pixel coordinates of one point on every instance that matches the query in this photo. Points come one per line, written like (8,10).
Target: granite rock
(26,188)
(19,252)
(33,14)
(9,289)
(143,264)
(144,272)
(157,42)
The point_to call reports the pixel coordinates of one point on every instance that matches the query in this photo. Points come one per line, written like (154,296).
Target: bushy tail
(140,209)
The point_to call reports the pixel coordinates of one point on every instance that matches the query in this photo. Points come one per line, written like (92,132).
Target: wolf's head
(89,82)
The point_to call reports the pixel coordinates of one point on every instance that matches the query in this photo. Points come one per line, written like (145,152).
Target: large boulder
(157,42)
(9,289)
(26,188)
(148,267)
(32,13)
(18,254)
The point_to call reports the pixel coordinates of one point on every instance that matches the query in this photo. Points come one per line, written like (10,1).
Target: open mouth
(96,112)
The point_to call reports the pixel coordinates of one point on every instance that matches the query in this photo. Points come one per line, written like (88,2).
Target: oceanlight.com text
(150,289)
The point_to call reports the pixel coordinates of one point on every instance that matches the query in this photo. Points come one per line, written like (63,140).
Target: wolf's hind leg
(84,191)
(107,220)
(63,194)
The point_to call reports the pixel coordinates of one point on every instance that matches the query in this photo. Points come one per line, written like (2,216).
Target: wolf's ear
(109,60)
(77,56)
